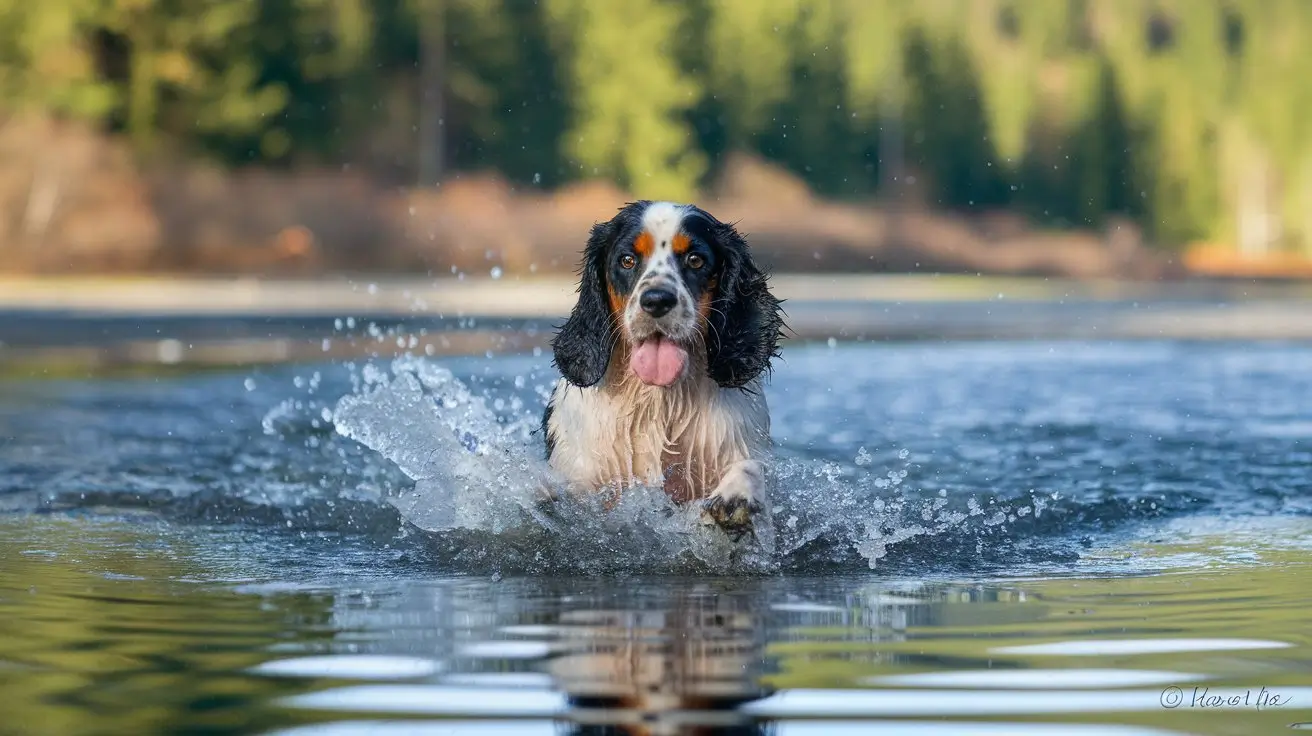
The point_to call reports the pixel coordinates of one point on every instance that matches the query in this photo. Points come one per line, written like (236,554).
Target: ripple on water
(435,700)
(1036,679)
(351,666)
(1106,647)
(805,703)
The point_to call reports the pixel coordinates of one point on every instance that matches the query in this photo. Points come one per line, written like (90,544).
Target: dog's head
(660,284)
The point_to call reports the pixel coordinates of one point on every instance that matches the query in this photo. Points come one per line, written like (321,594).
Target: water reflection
(637,656)
(771,655)
(692,662)
(140,627)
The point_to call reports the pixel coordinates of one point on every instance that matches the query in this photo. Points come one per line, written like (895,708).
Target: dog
(685,664)
(662,362)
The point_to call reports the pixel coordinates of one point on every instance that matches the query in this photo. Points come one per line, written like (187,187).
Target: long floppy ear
(745,317)
(581,348)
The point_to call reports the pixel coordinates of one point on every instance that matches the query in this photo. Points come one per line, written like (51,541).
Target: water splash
(481,483)
(471,469)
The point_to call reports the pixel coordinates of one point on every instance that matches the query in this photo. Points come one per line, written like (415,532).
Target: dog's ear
(581,348)
(745,320)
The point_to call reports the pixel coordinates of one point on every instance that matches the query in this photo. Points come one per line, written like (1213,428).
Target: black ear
(581,348)
(745,320)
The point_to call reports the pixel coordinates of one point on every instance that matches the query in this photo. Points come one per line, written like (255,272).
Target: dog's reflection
(683,669)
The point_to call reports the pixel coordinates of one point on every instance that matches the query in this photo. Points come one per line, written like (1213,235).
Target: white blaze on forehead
(661,224)
(662,221)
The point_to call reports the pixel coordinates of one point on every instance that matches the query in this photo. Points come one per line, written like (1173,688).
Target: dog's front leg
(738,499)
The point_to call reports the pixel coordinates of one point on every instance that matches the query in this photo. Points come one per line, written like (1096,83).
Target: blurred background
(1124,139)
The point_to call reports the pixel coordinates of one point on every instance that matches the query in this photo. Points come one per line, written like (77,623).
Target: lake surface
(974,537)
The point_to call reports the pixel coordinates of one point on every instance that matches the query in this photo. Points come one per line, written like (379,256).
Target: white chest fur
(687,436)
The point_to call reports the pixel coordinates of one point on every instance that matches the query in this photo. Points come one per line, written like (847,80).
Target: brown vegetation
(1213,260)
(74,201)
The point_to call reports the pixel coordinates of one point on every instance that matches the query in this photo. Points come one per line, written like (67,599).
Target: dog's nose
(657,301)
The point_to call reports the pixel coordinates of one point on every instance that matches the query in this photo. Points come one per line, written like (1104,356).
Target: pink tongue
(658,361)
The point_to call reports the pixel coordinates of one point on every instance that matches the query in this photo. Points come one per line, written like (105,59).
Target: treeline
(1189,116)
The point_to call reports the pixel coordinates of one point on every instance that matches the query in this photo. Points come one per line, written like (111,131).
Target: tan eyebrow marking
(644,244)
(681,244)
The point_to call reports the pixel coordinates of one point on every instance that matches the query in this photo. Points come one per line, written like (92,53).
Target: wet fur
(708,435)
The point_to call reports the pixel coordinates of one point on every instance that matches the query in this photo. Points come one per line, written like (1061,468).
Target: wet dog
(662,361)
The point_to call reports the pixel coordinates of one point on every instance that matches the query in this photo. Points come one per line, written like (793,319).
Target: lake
(1041,536)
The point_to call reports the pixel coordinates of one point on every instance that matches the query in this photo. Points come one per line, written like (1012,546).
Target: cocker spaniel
(662,360)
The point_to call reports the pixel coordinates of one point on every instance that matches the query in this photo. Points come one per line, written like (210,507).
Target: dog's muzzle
(658,356)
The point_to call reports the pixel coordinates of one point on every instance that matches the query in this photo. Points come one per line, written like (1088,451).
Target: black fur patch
(745,321)
(582,346)
(546,428)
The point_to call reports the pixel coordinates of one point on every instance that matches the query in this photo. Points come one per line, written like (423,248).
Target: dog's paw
(735,514)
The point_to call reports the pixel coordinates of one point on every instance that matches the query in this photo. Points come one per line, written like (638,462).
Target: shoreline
(552,295)
(76,326)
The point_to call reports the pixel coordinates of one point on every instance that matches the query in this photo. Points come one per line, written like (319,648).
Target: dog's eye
(627,261)
(695,261)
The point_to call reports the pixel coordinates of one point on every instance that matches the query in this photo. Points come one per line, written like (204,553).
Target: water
(987,537)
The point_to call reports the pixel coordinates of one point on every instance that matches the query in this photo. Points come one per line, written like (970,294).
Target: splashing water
(481,482)
(470,469)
